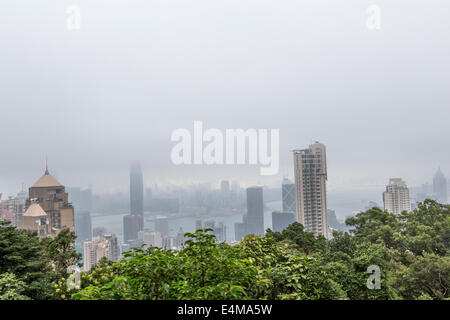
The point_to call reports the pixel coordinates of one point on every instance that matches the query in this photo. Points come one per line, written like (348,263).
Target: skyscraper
(225,187)
(255,211)
(310,168)
(150,238)
(396,197)
(53,199)
(105,246)
(288,195)
(136,190)
(281,220)
(440,187)
(162,225)
(134,222)
(83,226)
(239,231)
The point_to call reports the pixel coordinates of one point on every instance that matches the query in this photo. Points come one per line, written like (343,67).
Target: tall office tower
(288,195)
(169,243)
(396,197)
(220,231)
(150,238)
(83,226)
(440,187)
(310,167)
(112,246)
(106,246)
(225,187)
(281,220)
(235,186)
(81,198)
(53,199)
(239,231)
(136,190)
(98,231)
(89,255)
(132,224)
(162,225)
(255,211)
(198,225)
(180,239)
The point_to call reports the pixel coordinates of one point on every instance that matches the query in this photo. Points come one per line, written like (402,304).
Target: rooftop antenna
(46,165)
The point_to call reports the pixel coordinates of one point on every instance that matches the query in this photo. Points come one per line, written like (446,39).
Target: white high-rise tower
(310,168)
(396,197)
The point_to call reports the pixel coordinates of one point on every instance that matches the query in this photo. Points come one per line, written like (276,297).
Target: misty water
(344,203)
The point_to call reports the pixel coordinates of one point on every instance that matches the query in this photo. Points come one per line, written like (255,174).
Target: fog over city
(95,99)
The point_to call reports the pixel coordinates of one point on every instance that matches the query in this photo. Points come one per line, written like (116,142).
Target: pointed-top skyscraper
(440,187)
(134,222)
(136,190)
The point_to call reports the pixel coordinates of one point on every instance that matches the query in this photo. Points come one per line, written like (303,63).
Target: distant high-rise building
(106,246)
(219,231)
(198,225)
(53,199)
(89,255)
(180,239)
(396,197)
(98,232)
(136,190)
(132,224)
(281,220)
(255,211)
(225,187)
(162,225)
(81,199)
(83,226)
(113,245)
(440,187)
(235,186)
(288,195)
(239,231)
(15,206)
(169,243)
(334,223)
(150,238)
(310,167)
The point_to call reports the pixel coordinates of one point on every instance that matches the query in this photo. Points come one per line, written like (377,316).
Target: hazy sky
(95,99)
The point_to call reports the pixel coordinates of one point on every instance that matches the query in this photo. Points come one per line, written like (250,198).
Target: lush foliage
(411,251)
(31,264)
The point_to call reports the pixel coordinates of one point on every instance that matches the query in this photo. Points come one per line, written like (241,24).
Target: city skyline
(131,103)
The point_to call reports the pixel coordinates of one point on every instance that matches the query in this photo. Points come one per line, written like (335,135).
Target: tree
(305,241)
(22,254)
(427,276)
(11,288)
(202,270)
(376,226)
(60,250)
